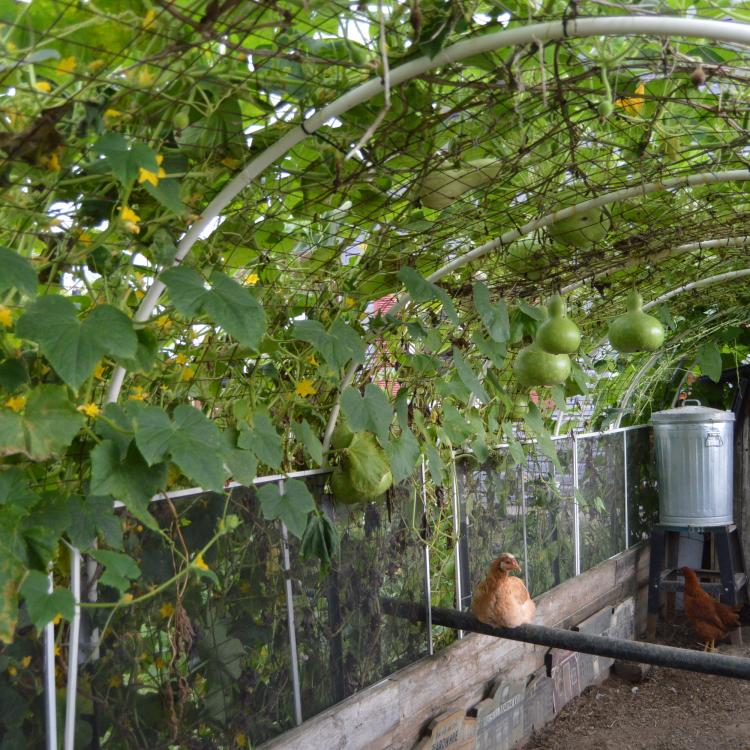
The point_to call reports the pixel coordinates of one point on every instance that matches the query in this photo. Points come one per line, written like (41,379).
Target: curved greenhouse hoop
(723,31)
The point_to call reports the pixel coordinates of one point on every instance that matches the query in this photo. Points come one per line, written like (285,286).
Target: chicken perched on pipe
(502,599)
(711,619)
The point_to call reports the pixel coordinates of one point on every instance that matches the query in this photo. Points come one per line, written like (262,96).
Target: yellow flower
(252,279)
(126,598)
(240,739)
(12,671)
(16,403)
(632,104)
(25,662)
(166,610)
(305,388)
(187,374)
(57,648)
(130,218)
(6,316)
(85,238)
(349,302)
(145,78)
(146,175)
(137,394)
(43,86)
(94,65)
(99,371)
(163,322)
(66,65)
(230,163)
(115,681)
(180,359)
(112,114)
(312,361)
(57,619)
(200,563)
(159,662)
(90,410)
(149,18)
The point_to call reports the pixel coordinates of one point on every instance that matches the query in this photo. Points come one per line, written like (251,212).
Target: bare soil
(671,710)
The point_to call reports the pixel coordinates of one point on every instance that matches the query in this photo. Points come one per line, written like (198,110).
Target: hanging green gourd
(520,407)
(583,229)
(364,472)
(534,366)
(558,334)
(635,330)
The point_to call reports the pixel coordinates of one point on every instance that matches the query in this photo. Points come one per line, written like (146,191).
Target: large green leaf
(93,516)
(494,316)
(119,570)
(403,455)
(468,378)
(303,432)
(125,159)
(42,604)
(339,346)
(130,479)
(422,290)
(262,439)
(190,439)
(372,412)
(46,427)
(709,360)
(291,505)
(73,348)
(227,303)
(16,272)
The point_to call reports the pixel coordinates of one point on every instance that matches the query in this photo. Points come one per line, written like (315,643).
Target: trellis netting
(227,228)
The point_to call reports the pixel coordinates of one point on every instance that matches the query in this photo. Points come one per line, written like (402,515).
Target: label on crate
(453,730)
(500,717)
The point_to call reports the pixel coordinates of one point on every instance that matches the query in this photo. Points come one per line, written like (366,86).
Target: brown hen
(501,599)
(711,619)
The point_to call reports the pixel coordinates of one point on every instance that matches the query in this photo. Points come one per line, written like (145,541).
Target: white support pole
(708,281)
(50,694)
(540,33)
(457,535)
(525,530)
(625,487)
(294,659)
(690,247)
(73,649)
(427,581)
(576,511)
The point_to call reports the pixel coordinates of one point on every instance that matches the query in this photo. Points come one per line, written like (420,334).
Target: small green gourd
(364,472)
(635,330)
(558,334)
(534,366)
(520,407)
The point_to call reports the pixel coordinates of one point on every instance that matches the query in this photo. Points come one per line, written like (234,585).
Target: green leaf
(242,465)
(494,351)
(291,506)
(403,455)
(167,192)
(92,517)
(338,347)
(468,378)
(47,426)
(532,311)
(517,452)
(494,316)
(119,569)
(435,464)
(74,348)
(190,439)
(372,412)
(709,360)
(547,444)
(422,290)
(534,419)
(263,440)
(303,432)
(14,374)
(145,355)
(228,304)
(123,160)
(130,480)
(16,272)
(11,575)
(42,605)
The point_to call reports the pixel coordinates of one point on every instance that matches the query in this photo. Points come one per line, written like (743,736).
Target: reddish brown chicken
(711,619)
(501,599)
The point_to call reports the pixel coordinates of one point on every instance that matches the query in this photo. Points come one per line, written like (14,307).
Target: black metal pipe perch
(599,645)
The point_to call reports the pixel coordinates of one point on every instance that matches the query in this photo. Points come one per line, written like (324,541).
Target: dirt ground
(671,710)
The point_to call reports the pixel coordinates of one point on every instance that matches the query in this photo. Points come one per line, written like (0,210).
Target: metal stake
(457,533)
(50,698)
(576,519)
(290,622)
(625,485)
(71,697)
(427,582)
(525,535)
